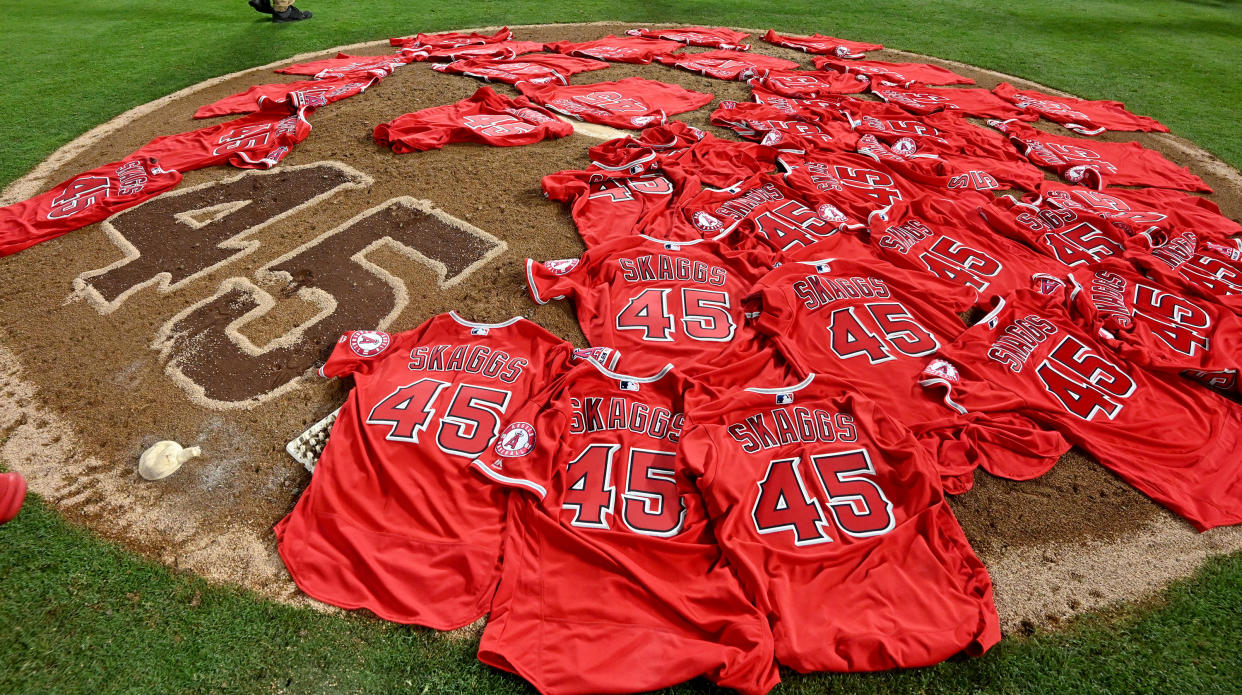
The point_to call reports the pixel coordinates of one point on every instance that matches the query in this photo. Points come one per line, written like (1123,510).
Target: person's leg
(264,6)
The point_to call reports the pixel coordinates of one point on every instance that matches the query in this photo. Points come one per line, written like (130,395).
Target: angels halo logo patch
(830,213)
(707,223)
(561,266)
(517,440)
(368,343)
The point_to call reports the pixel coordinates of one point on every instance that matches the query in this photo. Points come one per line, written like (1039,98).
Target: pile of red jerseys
(782,388)
(749,465)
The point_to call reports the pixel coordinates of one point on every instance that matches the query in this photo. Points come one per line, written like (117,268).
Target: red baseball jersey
(945,128)
(774,211)
(1173,442)
(873,325)
(966,101)
(1072,237)
(1113,163)
(1153,326)
(865,321)
(452,39)
(855,184)
(540,68)
(619,49)
(502,49)
(944,167)
(612,579)
(643,151)
(715,161)
(950,240)
(1171,211)
(257,141)
(815,492)
(719,162)
(809,84)
(486,117)
(711,37)
(632,103)
(726,64)
(608,205)
(1079,115)
(773,127)
(87,198)
(345,65)
(316,93)
(657,301)
(1184,260)
(898,74)
(821,45)
(392,521)
(825,107)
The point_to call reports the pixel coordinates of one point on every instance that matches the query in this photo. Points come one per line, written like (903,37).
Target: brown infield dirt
(200,317)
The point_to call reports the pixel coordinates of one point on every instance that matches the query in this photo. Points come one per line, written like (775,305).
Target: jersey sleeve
(356,352)
(960,387)
(697,453)
(559,279)
(999,437)
(525,454)
(768,311)
(564,186)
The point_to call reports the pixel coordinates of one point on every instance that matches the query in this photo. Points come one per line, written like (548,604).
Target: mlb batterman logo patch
(517,440)
(368,343)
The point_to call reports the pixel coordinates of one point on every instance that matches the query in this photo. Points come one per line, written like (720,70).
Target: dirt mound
(199,316)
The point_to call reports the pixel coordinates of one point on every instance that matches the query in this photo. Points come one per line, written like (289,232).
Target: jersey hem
(378,610)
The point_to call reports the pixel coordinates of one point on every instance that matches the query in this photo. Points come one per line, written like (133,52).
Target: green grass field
(79,615)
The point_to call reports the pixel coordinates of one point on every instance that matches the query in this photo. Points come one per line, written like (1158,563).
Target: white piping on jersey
(882,212)
(629,165)
(785,389)
(534,290)
(506,480)
(821,261)
(684,243)
(1000,304)
(1077,286)
(626,377)
(731,188)
(1084,130)
(1032,206)
(948,390)
(471,324)
(1049,276)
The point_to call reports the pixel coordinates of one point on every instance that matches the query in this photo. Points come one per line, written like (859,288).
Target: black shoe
(292,14)
(264,6)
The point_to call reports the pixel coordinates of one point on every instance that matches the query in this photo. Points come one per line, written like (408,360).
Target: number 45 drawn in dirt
(172,240)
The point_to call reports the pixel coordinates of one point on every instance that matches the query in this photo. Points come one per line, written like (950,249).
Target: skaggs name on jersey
(1019,339)
(475,359)
(619,413)
(816,291)
(663,267)
(786,425)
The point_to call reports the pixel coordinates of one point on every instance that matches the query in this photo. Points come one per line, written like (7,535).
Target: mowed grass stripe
(81,615)
(72,65)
